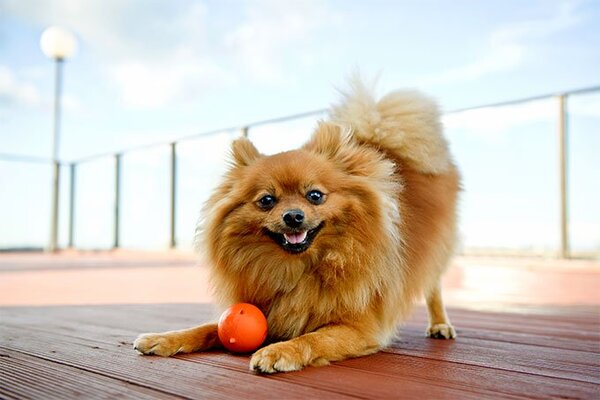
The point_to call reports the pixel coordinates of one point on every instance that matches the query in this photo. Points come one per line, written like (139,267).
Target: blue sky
(149,71)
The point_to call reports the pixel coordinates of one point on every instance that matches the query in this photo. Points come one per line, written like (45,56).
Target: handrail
(25,158)
(324,110)
(202,134)
(585,90)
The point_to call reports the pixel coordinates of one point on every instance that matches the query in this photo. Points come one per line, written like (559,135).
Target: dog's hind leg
(439,324)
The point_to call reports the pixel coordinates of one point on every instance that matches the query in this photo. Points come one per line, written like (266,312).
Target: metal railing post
(563,147)
(117,210)
(173,191)
(73,168)
(53,245)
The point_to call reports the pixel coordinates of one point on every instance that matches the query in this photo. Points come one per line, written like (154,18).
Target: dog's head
(302,207)
(285,200)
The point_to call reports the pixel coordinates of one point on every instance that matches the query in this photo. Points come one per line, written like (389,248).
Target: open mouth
(295,242)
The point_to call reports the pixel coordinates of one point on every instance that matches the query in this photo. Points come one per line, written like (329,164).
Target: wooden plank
(560,317)
(470,367)
(165,317)
(569,364)
(582,318)
(359,382)
(25,376)
(217,371)
(162,317)
(175,376)
(533,329)
(464,377)
(590,346)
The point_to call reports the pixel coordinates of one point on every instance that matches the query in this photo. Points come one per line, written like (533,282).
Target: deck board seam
(205,362)
(96,372)
(474,342)
(211,363)
(532,337)
(460,388)
(479,365)
(216,364)
(28,369)
(471,338)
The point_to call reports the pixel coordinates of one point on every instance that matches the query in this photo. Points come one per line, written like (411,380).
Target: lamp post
(57,44)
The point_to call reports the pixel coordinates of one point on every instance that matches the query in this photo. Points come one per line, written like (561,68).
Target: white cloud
(565,17)
(144,86)
(152,85)
(270,29)
(95,22)
(508,47)
(14,91)
(278,137)
(150,62)
(168,54)
(71,103)
(190,64)
(494,122)
(497,58)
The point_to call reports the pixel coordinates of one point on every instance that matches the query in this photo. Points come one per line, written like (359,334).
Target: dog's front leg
(329,343)
(203,337)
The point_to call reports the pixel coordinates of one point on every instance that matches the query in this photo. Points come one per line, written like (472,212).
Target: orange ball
(242,328)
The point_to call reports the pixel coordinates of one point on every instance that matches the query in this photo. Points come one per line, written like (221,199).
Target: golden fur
(384,233)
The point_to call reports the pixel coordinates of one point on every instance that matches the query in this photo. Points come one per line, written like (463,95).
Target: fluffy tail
(404,122)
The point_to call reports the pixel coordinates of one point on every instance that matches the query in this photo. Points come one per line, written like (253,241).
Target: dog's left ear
(327,140)
(243,152)
(336,144)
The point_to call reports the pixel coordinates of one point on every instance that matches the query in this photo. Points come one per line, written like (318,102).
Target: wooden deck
(85,351)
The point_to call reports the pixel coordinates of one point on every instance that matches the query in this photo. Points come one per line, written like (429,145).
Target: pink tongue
(295,238)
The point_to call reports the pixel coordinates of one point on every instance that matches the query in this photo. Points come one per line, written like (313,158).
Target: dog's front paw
(157,344)
(441,331)
(278,357)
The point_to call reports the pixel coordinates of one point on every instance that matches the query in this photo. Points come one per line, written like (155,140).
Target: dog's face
(294,224)
(290,201)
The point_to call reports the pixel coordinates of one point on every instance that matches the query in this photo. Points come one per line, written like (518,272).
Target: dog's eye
(266,202)
(315,197)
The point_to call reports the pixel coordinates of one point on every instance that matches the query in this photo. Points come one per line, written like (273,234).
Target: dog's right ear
(243,152)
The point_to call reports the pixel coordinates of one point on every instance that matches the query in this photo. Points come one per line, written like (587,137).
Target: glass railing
(511,156)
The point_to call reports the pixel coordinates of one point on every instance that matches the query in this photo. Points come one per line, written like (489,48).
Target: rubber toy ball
(242,328)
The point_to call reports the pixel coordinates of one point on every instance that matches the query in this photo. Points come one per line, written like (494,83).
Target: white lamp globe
(58,43)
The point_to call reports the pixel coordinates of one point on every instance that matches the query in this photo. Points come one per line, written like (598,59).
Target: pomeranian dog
(336,240)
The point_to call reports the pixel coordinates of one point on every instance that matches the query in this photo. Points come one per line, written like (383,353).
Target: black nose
(293,218)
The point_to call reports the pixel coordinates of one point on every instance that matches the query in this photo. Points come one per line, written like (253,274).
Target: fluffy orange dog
(333,241)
